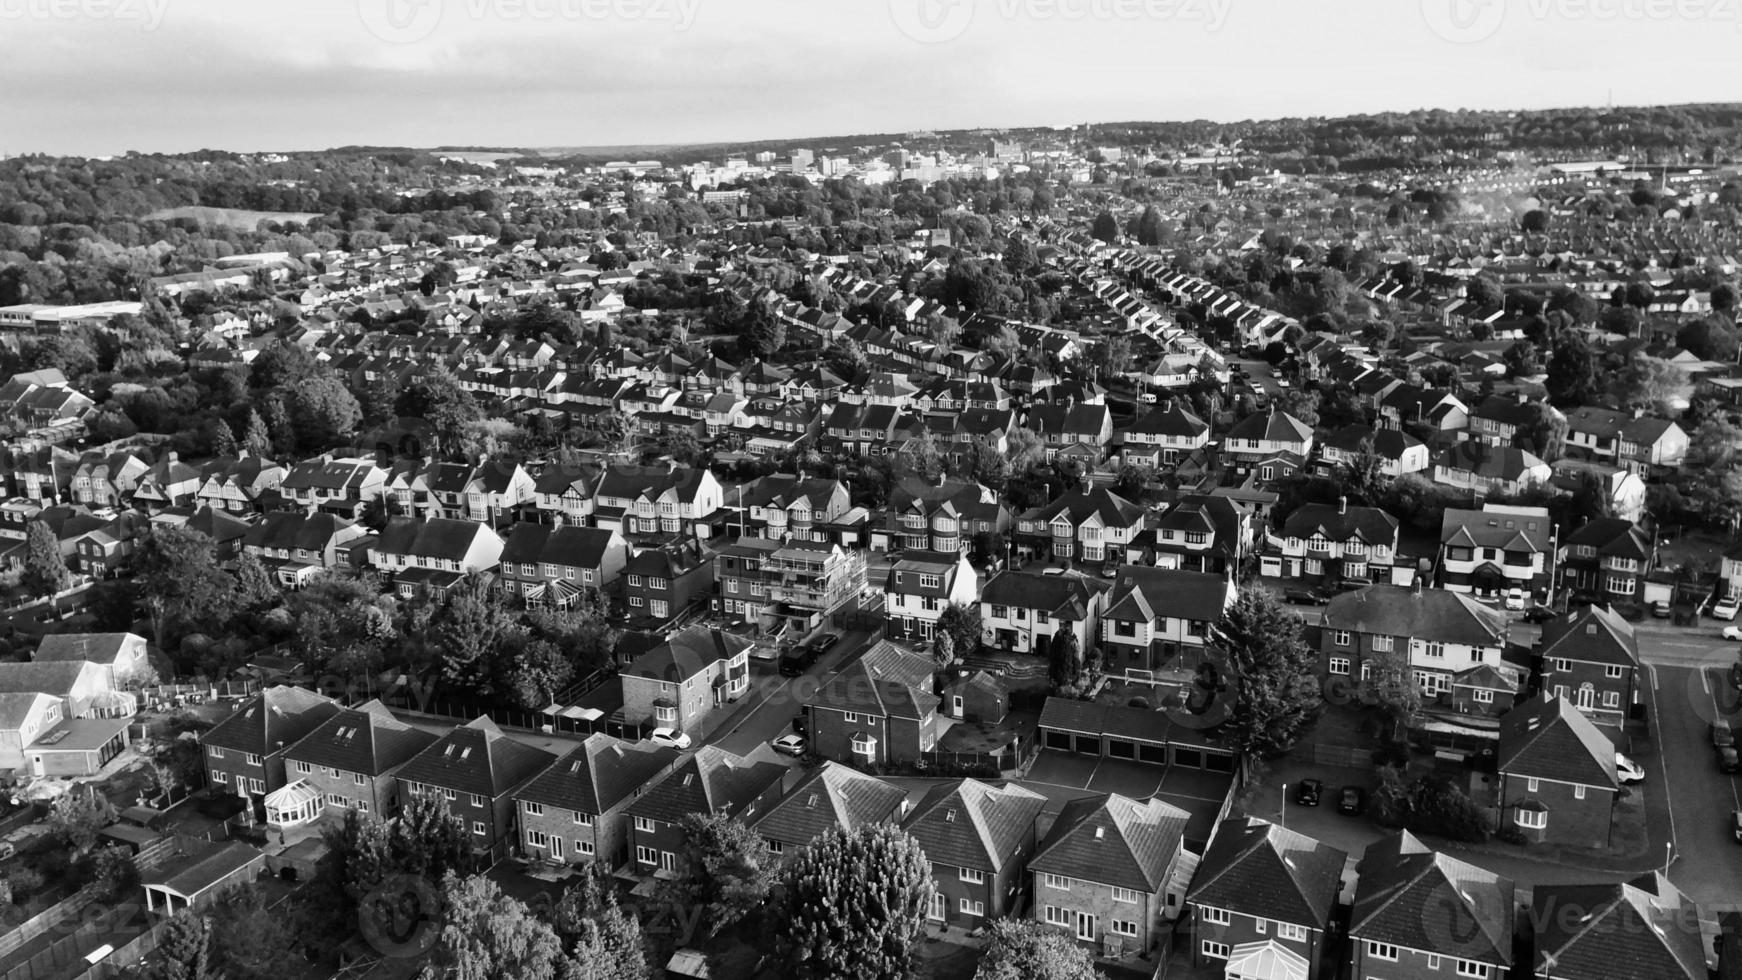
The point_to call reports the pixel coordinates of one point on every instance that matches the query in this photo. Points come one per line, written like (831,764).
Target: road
(1708,861)
(773,700)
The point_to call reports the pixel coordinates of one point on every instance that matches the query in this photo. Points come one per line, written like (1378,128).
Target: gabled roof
(970,824)
(1546,737)
(688,653)
(1412,896)
(98,648)
(1065,596)
(365,739)
(1257,868)
(1077,508)
(1272,426)
(1495,526)
(599,775)
(1599,932)
(1141,593)
(1340,522)
(711,781)
(885,681)
(1425,614)
(1113,840)
(277,716)
(831,796)
(476,758)
(1595,634)
(568,546)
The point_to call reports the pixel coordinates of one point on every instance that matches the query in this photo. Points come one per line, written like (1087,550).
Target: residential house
(1398,452)
(1558,782)
(1259,437)
(1108,871)
(1494,550)
(830,796)
(1590,657)
(1264,890)
(877,709)
(1437,635)
(682,682)
(334,485)
(551,566)
(941,517)
(1634,441)
(1335,543)
(1390,936)
(245,753)
(1608,558)
(664,583)
(1025,612)
(1509,420)
(1076,429)
(576,811)
(108,479)
(1092,528)
(124,656)
(920,587)
(978,838)
(295,546)
(350,761)
(26,716)
(710,781)
(1164,436)
(646,502)
(239,484)
(434,555)
(1198,533)
(1642,928)
(780,587)
(477,770)
(1482,469)
(781,506)
(1160,619)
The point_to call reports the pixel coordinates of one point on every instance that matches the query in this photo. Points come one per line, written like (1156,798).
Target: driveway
(773,701)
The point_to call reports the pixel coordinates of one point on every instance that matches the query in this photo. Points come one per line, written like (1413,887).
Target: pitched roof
(1340,522)
(279,714)
(600,774)
(1066,596)
(1255,867)
(1113,840)
(1272,426)
(1594,634)
(970,824)
(1412,896)
(1596,932)
(1495,526)
(711,781)
(687,654)
(98,648)
(1141,593)
(1427,614)
(831,796)
(1547,737)
(365,739)
(476,758)
(885,681)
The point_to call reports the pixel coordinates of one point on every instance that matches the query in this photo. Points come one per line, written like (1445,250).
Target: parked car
(764,653)
(825,642)
(1736,824)
(1628,771)
(1515,599)
(1304,597)
(1728,763)
(1352,801)
(797,661)
(789,745)
(1733,633)
(1308,791)
(1661,609)
(1724,609)
(1539,613)
(1721,734)
(670,737)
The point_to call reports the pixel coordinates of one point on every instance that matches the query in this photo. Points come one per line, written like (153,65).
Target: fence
(1339,755)
(53,917)
(531,721)
(125,957)
(1017,757)
(217,689)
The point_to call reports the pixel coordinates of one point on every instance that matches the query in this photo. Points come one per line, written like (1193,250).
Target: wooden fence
(54,917)
(125,957)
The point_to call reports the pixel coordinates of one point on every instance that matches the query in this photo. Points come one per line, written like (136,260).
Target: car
(1052,571)
(1736,824)
(1352,801)
(1282,383)
(797,661)
(1303,597)
(789,745)
(1147,398)
(1722,736)
(1308,791)
(1736,675)
(1515,599)
(1727,760)
(825,642)
(669,737)
(1627,770)
(764,653)
(1538,613)
(1725,609)
(1733,634)
(1661,609)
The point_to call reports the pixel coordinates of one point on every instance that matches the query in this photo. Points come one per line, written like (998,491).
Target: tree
(962,622)
(249,940)
(324,412)
(921,458)
(1023,949)
(487,935)
(1390,685)
(1534,222)
(761,333)
(437,398)
(1572,371)
(847,359)
(1111,357)
(854,906)
(1065,655)
(605,939)
(1724,299)
(45,569)
(1485,292)
(256,439)
(183,951)
(112,873)
(1302,404)
(1522,359)
(1709,339)
(1105,227)
(1544,433)
(77,818)
(177,574)
(727,872)
(1648,382)
(471,631)
(1278,698)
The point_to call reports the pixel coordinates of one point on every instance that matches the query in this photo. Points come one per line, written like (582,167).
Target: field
(231,217)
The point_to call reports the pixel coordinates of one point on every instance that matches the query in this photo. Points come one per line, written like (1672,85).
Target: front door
(1587,698)
(1086,927)
(556,848)
(36,767)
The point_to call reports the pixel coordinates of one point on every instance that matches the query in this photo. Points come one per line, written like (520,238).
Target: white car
(669,737)
(1515,599)
(1627,770)
(1724,609)
(1282,383)
(789,745)
(1733,633)
(763,652)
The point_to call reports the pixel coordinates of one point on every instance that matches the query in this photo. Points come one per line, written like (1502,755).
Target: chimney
(1342,505)
(1523,398)
(175,457)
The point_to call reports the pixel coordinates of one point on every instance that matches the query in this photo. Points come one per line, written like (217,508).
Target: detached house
(1398,452)
(1264,891)
(1160,619)
(1608,558)
(576,811)
(1440,638)
(1633,440)
(1025,612)
(1256,438)
(1590,657)
(1200,533)
(710,781)
(348,762)
(877,709)
(1164,436)
(1390,937)
(662,584)
(1111,870)
(920,587)
(1558,781)
(833,795)
(1092,528)
(1482,469)
(477,770)
(336,486)
(1642,928)
(978,838)
(683,681)
(245,753)
(1334,543)
(1494,550)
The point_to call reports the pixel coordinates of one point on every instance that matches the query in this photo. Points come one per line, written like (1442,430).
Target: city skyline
(181,75)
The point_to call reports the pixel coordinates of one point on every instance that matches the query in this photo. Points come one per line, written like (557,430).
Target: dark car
(1727,761)
(1538,614)
(1308,791)
(1661,609)
(797,660)
(1722,736)
(1736,824)
(1304,597)
(825,642)
(1352,801)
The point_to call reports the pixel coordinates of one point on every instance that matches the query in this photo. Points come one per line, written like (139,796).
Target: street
(774,700)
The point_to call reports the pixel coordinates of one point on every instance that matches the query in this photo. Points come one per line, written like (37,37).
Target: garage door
(1089,744)
(1217,762)
(1156,754)
(1188,758)
(1119,748)
(1058,740)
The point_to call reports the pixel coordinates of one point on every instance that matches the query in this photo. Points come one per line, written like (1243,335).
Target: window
(1057,882)
(1056,916)
(583,819)
(1215,951)
(219,777)
(643,825)
(1531,819)
(251,759)
(1483,697)
(1126,895)
(1578,792)
(1611,699)
(973,877)
(1560,665)
(478,827)
(1470,968)
(537,838)
(583,846)
(477,800)
(1339,665)
(1612,672)
(1340,637)
(1382,643)
(928,581)
(1261,926)
(1290,931)
(534,809)
(1436,651)
(968,907)
(1214,917)
(1120,927)
(358,778)
(1433,961)
(1532,784)
(646,855)
(635,581)
(1382,951)
(450,795)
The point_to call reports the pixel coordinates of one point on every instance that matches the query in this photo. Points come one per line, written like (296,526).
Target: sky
(98,77)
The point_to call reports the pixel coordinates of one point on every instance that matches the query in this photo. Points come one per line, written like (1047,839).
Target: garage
(1154,754)
(1188,758)
(1217,762)
(1089,744)
(1120,748)
(1059,740)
